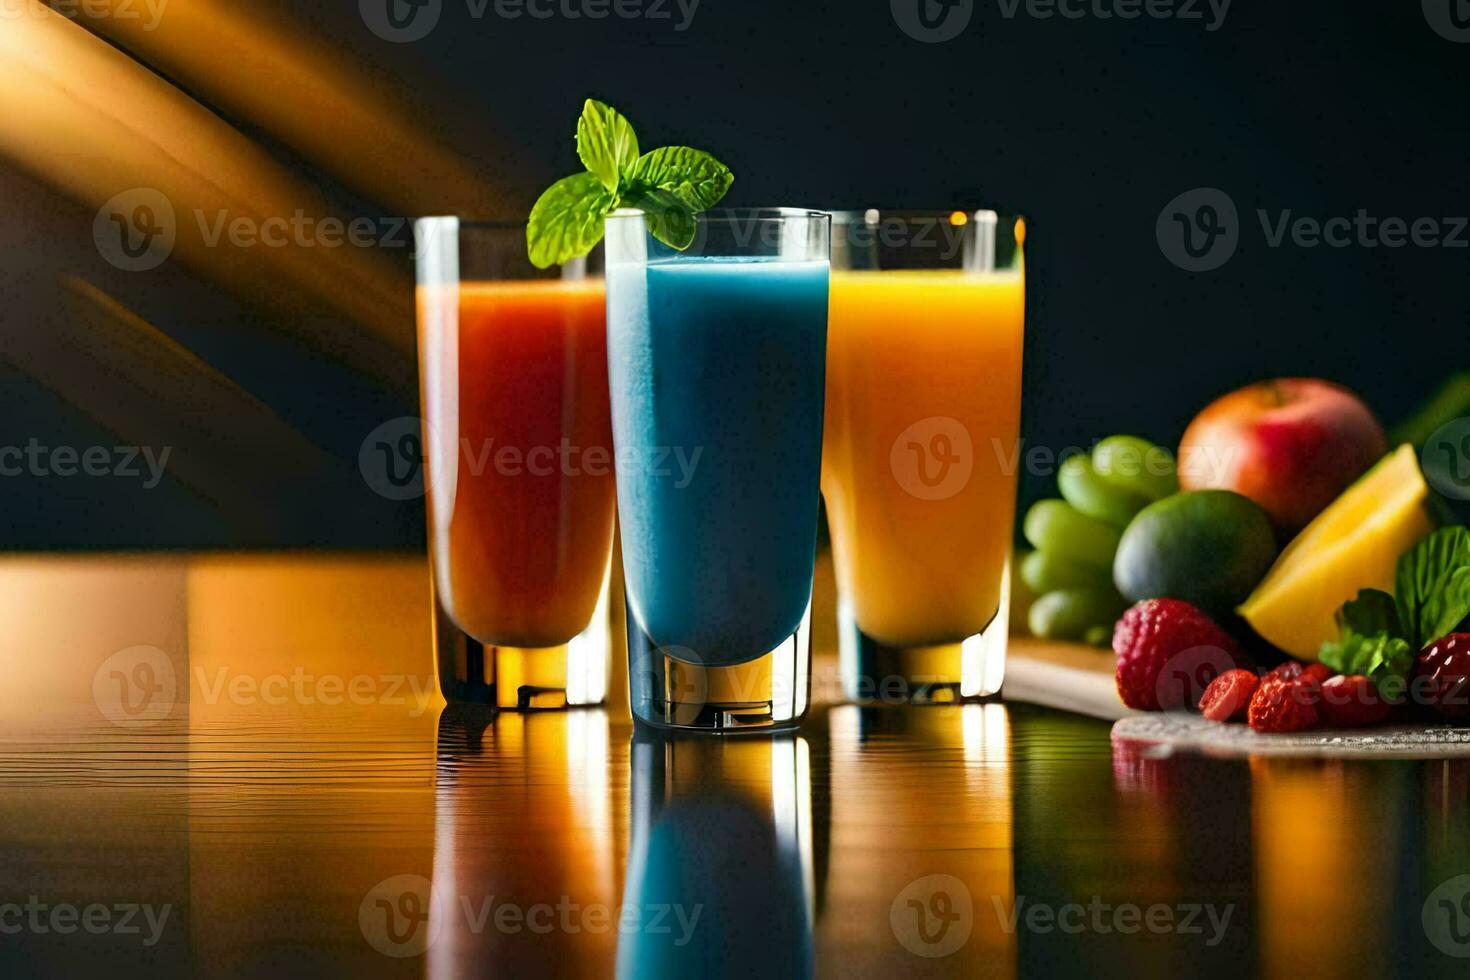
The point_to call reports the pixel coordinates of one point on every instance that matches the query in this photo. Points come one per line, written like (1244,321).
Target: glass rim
(736,214)
(837,215)
(472,224)
(851,216)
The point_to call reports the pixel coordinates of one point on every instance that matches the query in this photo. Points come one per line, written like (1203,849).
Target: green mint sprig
(671,185)
(1371,640)
(1432,585)
(1381,634)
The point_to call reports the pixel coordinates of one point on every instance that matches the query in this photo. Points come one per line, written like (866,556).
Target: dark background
(1088,127)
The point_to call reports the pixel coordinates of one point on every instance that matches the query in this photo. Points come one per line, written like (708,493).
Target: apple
(1291,445)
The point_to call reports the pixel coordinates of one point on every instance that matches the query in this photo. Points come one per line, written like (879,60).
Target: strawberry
(1283,706)
(1290,670)
(1316,674)
(1168,651)
(1443,668)
(1351,701)
(1229,695)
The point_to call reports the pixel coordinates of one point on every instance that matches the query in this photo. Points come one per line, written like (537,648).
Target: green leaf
(1392,658)
(1372,640)
(1373,611)
(1384,659)
(668,217)
(568,219)
(606,142)
(693,176)
(1433,586)
(671,185)
(1449,608)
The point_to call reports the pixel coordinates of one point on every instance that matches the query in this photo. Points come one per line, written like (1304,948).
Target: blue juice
(730,911)
(717,373)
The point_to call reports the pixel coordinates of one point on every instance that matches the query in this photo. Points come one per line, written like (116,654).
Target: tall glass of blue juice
(716,367)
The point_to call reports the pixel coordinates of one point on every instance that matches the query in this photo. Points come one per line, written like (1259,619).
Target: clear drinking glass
(922,442)
(519,475)
(717,356)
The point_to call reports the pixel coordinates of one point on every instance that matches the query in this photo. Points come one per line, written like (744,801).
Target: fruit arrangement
(1368,602)
(1076,538)
(1395,656)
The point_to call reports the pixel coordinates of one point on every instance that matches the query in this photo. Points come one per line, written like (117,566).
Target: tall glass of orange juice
(920,449)
(517,439)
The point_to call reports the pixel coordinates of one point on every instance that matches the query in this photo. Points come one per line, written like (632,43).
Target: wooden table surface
(310,809)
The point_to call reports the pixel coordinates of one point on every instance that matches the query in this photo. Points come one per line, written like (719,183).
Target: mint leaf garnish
(606,142)
(669,218)
(1433,585)
(671,185)
(567,220)
(1372,642)
(693,176)
(1373,611)
(1383,659)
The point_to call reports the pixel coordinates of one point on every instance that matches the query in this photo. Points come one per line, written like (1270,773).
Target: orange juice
(520,468)
(921,447)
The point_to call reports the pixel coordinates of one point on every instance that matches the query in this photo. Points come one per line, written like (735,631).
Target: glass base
(768,694)
(574,674)
(971,669)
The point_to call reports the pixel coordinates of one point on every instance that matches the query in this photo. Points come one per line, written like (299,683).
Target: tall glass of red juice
(519,475)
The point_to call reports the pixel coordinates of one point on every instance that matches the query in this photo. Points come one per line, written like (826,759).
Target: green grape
(1055,526)
(1099,636)
(1047,571)
(1096,497)
(1135,464)
(1068,614)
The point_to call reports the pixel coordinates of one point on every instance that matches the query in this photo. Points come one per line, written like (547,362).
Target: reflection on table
(720,876)
(380,836)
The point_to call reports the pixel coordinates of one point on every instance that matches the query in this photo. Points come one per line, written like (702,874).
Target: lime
(1207,547)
